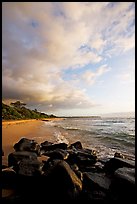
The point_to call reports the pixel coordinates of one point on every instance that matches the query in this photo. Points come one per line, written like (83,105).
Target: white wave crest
(60,138)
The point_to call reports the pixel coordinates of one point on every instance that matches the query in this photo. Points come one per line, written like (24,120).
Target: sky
(69,58)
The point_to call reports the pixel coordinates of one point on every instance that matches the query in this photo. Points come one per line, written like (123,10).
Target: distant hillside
(17,111)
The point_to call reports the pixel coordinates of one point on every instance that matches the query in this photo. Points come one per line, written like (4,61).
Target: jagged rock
(81,157)
(85,158)
(54,147)
(88,179)
(85,161)
(57,154)
(72,158)
(77,145)
(96,180)
(114,163)
(127,174)
(122,188)
(63,183)
(15,157)
(92,190)
(27,145)
(86,152)
(43,146)
(28,167)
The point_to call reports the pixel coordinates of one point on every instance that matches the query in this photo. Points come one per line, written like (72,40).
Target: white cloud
(90,77)
(98,43)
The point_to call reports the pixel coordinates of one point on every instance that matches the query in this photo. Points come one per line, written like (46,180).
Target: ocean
(106,135)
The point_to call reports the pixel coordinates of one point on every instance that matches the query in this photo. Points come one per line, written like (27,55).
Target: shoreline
(10,122)
(14,130)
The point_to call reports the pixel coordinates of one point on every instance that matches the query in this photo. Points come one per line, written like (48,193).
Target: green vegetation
(18,111)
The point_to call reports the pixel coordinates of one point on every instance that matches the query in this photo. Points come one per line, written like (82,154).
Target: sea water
(106,135)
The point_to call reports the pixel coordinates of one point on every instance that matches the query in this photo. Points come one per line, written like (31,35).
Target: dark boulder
(85,161)
(65,174)
(114,163)
(28,167)
(95,188)
(54,147)
(122,188)
(127,174)
(27,145)
(63,183)
(96,181)
(86,152)
(57,154)
(15,157)
(9,183)
(72,158)
(81,157)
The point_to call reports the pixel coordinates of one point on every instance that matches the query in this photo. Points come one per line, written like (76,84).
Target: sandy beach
(13,131)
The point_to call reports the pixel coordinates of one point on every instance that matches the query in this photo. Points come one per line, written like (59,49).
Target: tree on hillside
(18,104)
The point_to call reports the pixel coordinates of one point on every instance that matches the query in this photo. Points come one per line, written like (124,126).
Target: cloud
(42,40)
(90,77)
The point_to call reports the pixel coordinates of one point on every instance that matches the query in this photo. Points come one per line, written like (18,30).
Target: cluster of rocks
(62,173)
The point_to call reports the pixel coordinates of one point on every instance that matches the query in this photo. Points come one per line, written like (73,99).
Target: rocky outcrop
(15,157)
(51,147)
(114,163)
(66,173)
(63,182)
(27,145)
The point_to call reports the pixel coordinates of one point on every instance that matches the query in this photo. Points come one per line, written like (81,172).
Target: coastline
(14,130)
(10,122)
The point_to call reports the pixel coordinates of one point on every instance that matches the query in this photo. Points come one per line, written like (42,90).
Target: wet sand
(13,131)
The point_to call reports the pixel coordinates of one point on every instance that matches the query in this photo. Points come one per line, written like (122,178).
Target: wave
(60,138)
(107,135)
